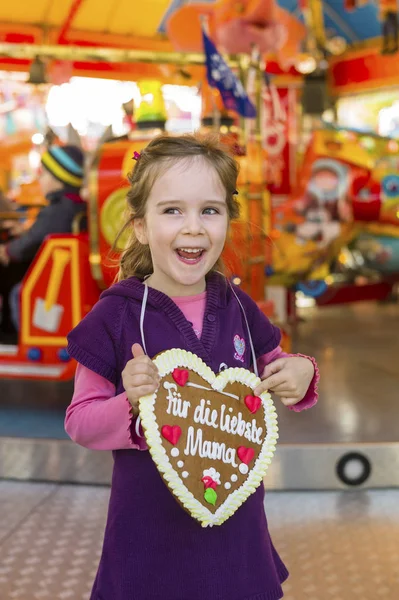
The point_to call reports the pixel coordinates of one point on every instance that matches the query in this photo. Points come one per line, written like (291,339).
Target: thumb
(137,350)
(273,367)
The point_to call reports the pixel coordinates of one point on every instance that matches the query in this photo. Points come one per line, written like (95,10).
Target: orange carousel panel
(108,190)
(112,16)
(51,297)
(121,17)
(57,293)
(13,145)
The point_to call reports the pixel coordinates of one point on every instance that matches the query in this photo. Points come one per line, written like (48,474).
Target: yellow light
(328,116)
(37,138)
(367,142)
(393,146)
(236,280)
(336,45)
(305,64)
(351,136)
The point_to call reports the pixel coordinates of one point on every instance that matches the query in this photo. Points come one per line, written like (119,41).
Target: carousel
(320,220)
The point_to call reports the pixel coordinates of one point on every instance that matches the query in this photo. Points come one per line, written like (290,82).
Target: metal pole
(111,55)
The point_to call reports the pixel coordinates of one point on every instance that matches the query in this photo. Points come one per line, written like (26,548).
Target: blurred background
(305,93)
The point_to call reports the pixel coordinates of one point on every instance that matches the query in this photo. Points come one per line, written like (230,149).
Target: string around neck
(142,314)
(248,329)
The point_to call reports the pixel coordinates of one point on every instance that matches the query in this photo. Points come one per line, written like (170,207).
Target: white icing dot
(227,485)
(208,402)
(180,464)
(175,452)
(243,468)
(234,477)
(230,409)
(184,474)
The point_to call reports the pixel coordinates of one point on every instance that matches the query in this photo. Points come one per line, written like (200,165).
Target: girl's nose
(193,224)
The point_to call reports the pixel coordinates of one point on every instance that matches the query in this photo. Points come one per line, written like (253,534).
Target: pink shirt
(99,420)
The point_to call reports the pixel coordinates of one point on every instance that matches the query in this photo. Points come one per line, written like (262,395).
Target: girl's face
(185,226)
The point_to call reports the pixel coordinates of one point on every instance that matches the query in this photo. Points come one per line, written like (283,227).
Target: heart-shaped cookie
(211,439)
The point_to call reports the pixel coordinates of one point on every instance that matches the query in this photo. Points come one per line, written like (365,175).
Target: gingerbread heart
(210,445)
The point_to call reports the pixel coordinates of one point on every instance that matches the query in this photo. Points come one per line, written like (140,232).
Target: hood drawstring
(142,315)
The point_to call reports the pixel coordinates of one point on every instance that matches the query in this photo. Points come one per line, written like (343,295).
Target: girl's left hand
(289,378)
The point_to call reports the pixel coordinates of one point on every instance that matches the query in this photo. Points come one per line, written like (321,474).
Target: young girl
(171,295)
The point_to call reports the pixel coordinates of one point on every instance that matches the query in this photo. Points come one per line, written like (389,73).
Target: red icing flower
(209,483)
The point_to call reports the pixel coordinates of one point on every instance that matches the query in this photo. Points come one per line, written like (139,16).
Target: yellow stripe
(60,172)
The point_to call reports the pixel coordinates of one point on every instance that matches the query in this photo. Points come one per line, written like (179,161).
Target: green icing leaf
(210,496)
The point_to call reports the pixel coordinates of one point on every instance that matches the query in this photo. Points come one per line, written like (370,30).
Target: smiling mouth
(190,255)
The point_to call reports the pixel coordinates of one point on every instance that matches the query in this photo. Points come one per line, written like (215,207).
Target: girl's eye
(210,211)
(171,211)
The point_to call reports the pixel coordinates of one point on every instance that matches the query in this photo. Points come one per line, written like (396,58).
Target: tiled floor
(337,545)
(357,349)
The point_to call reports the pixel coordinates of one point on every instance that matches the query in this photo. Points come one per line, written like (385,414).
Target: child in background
(181,201)
(60,179)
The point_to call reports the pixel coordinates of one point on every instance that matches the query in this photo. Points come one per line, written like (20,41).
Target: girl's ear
(141,231)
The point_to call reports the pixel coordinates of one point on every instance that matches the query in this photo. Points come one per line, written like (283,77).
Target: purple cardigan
(153,550)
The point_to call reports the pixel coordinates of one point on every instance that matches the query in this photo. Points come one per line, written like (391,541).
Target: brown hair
(161,153)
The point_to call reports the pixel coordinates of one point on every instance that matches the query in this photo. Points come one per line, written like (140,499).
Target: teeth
(192,250)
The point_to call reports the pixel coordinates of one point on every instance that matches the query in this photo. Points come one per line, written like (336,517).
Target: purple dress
(153,550)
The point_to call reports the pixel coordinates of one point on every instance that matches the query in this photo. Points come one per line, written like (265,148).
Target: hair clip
(238,150)
(136,156)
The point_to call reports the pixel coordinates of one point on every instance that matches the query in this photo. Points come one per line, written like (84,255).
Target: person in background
(61,179)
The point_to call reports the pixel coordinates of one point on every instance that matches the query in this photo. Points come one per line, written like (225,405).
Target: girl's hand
(140,377)
(289,378)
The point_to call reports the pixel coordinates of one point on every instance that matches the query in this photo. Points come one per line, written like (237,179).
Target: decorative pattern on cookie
(211,439)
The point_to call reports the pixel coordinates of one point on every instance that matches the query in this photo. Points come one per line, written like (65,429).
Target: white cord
(142,313)
(137,427)
(249,331)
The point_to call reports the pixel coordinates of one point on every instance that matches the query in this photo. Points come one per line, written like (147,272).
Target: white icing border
(166,363)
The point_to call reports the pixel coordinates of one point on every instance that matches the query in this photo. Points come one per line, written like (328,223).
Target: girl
(171,295)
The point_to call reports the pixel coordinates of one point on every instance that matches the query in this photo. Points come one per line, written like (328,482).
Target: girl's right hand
(140,377)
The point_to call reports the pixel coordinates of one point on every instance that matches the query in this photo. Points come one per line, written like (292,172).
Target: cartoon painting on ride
(347,196)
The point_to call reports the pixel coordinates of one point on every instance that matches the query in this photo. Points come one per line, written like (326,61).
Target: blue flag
(220,76)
